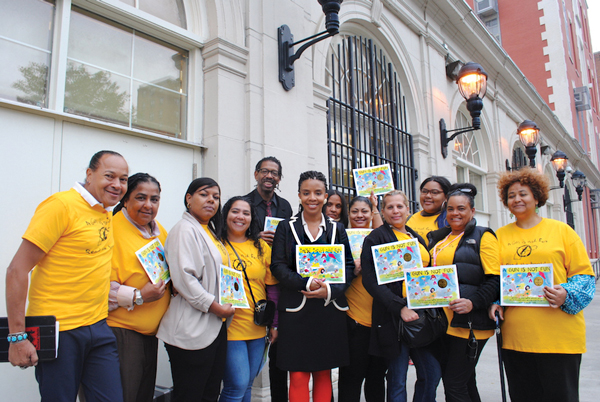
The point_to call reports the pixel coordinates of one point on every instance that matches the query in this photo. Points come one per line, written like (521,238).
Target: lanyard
(435,248)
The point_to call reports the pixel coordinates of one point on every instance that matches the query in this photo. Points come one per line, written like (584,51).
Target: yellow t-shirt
(242,326)
(422,224)
(72,280)
(226,258)
(544,329)
(489,254)
(127,270)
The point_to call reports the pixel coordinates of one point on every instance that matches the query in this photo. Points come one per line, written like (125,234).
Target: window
(25,52)
(168,10)
(468,169)
(120,75)
(367,117)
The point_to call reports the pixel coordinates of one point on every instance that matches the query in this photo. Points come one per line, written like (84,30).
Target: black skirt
(313,339)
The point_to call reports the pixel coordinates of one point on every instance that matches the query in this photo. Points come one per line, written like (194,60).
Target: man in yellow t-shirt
(69,242)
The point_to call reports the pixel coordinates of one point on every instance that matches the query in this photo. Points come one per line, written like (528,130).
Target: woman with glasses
(194,328)
(474,251)
(434,191)
(245,339)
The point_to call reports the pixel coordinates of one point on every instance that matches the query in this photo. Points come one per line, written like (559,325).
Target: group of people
(111,315)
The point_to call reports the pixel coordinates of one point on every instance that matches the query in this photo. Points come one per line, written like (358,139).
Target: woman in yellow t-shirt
(390,305)
(542,346)
(245,339)
(363,214)
(434,191)
(135,304)
(474,251)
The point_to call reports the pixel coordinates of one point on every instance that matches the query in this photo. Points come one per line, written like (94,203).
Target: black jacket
(281,207)
(283,262)
(387,299)
(473,284)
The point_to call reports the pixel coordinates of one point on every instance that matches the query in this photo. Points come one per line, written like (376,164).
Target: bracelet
(17,337)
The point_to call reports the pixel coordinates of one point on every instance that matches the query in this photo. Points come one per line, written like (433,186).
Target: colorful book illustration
(356,237)
(324,262)
(271,223)
(377,179)
(431,287)
(523,285)
(152,258)
(231,288)
(392,259)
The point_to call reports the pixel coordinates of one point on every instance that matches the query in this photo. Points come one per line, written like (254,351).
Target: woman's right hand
(221,310)
(357,268)
(408,315)
(492,311)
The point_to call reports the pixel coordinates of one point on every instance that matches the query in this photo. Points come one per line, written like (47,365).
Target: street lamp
(579,181)
(529,134)
(286,43)
(472,85)
(559,163)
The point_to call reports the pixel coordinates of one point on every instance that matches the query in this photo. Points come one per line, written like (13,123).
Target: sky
(594,20)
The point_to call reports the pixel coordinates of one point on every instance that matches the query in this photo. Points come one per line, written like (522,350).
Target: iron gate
(367,118)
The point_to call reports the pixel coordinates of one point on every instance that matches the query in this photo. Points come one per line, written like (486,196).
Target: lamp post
(529,134)
(559,163)
(472,85)
(579,181)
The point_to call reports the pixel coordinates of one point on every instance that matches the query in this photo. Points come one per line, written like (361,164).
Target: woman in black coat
(312,314)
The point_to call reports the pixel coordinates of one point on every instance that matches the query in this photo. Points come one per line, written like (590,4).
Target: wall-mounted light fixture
(287,57)
(559,163)
(579,181)
(472,84)
(529,134)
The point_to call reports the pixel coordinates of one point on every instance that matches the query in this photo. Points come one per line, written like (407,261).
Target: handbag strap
(243,264)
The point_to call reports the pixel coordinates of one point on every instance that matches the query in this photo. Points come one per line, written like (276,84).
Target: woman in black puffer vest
(475,252)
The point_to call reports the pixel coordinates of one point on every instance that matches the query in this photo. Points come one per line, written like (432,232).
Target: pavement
(488,377)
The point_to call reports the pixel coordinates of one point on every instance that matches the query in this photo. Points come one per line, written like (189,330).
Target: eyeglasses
(266,172)
(432,192)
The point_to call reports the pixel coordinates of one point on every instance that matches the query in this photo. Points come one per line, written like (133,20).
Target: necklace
(435,248)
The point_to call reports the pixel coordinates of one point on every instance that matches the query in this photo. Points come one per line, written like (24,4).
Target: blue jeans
(241,368)
(87,356)
(428,369)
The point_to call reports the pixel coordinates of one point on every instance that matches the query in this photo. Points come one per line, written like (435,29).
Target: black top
(280,208)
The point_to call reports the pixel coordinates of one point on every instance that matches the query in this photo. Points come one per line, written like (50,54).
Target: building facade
(189,88)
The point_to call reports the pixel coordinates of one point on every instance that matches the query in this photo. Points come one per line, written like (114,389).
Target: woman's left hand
(273,334)
(461,306)
(357,268)
(555,295)
(320,293)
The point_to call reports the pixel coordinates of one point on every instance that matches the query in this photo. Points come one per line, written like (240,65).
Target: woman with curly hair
(543,345)
(245,339)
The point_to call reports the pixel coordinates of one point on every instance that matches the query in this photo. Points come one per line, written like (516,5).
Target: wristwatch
(138,298)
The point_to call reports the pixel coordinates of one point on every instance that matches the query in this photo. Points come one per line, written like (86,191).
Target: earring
(537,209)
(511,215)
(188,205)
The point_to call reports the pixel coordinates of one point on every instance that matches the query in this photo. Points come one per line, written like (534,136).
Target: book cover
(523,285)
(324,262)
(392,259)
(42,332)
(231,288)
(356,237)
(377,179)
(431,287)
(152,258)
(271,223)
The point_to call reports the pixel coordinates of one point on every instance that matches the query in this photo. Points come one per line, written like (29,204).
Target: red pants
(321,386)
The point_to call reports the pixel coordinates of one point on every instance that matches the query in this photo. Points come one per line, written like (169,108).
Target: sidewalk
(488,377)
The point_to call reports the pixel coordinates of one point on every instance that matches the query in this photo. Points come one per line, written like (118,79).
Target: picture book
(431,287)
(356,237)
(42,332)
(377,179)
(271,223)
(523,285)
(231,288)
(324,262)
(392,259)
(152,258)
